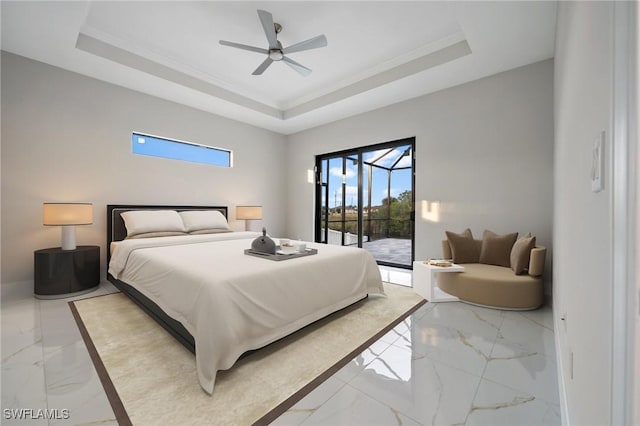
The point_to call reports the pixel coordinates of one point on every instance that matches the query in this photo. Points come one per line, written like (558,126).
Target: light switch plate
(597,163)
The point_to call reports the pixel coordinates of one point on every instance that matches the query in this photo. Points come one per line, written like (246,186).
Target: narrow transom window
(180,150)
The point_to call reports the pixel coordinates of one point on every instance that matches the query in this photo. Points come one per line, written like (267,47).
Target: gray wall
(66,137)
(484,150)
(582,219)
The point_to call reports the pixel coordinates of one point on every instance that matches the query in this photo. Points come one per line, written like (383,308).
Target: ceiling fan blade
(244,47)
(269,28)
(312,43)
(296,66)
(263,66)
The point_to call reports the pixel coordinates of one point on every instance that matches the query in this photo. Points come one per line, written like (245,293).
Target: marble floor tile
(351,407)
(422,389)
(67,368)
(447,363)
(23,383)
(542,316)
(400,330)
(395,333)
(54,370)
(498,405)
(20,326)
(356,365)
(21,417)
(451,346)
(81,392)
(530,335)
(59,328)
(469,319)
(22,366)
(310,403)
(535,374)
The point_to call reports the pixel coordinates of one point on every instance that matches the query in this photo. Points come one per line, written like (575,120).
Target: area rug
(151,379)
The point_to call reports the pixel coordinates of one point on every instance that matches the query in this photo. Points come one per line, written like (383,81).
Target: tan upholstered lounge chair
(496,286)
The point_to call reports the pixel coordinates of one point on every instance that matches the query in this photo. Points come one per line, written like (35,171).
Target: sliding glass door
(340,201)
(365,198)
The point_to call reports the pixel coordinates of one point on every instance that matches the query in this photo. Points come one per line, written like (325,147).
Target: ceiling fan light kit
(275,52)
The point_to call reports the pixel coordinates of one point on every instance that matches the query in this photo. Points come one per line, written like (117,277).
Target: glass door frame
(359,152)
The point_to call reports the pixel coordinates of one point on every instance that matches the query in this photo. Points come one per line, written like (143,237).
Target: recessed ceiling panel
(185,35)
(369,62)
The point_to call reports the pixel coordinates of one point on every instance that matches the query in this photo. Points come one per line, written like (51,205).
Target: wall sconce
(67,215)
(247,213)
(430,211)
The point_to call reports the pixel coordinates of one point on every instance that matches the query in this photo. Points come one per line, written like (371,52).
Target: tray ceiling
(378,53)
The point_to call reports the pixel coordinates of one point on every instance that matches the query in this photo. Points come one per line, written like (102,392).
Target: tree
(399,225)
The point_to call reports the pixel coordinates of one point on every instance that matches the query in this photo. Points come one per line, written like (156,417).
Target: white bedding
(231,302)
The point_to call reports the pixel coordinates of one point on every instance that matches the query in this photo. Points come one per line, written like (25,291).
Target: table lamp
(67,215)
(248,213)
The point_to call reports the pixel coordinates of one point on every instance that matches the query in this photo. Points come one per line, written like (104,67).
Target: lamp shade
(60,214)
(248,212)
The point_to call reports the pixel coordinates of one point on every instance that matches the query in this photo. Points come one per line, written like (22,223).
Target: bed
(219,302)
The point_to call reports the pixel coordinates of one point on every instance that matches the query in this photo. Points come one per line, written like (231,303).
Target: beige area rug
(151,379)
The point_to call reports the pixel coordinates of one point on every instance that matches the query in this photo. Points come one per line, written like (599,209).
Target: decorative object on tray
(443,263)
(280,255)
(263,244)
(285,247)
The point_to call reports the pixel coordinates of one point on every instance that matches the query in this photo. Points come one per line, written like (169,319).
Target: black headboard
(116,231)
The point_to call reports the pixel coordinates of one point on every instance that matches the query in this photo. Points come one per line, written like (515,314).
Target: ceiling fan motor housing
(276,54)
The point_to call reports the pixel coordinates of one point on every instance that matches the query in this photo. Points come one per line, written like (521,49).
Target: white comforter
(231,302)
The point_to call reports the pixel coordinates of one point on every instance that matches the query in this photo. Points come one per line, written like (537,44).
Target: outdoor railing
(373,229)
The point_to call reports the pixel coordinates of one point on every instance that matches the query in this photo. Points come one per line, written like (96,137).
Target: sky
(400,179)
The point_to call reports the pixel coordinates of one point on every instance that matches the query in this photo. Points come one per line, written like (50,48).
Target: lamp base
(68,237)
(249,225)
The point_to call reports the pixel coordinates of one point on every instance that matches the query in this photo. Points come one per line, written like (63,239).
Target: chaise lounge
(491,280)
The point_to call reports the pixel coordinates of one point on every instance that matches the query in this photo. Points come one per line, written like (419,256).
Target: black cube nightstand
(63,273)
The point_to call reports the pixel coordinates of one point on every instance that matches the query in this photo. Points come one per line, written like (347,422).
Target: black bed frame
(116,231)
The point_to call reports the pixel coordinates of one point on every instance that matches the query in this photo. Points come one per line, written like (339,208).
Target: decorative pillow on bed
(156,234)
(464,249)
(197,220)
(210,231)
(145,221)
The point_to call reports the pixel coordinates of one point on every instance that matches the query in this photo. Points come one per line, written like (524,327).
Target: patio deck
(393,250)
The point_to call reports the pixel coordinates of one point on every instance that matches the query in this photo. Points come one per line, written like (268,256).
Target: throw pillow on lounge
(496,249)
(521,252)
(464,249)
(501,271)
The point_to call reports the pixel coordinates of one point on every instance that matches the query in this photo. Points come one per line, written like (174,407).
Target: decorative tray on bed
(279,255)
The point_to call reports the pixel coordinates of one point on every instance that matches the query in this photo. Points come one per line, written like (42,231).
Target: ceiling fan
(275,52)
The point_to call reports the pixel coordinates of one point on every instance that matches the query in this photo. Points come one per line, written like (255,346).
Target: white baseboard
(564,409)
(16,290)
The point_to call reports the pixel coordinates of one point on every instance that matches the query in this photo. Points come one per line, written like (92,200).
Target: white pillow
(142,221)
(195,220)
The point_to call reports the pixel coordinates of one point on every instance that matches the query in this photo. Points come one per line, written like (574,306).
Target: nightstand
(63,273)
